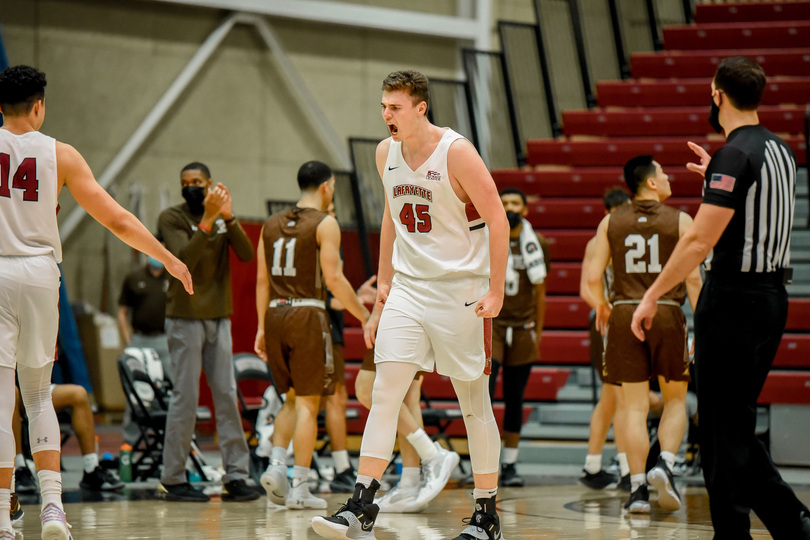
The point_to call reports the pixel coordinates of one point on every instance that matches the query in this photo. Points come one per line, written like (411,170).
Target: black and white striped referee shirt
(755,174)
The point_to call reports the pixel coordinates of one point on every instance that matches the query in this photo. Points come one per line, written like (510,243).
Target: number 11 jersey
(437,235)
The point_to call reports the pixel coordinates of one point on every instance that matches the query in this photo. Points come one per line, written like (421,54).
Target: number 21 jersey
(437,235)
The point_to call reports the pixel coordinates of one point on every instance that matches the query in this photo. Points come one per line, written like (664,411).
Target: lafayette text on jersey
(437,235)
(28,193)
(754,174)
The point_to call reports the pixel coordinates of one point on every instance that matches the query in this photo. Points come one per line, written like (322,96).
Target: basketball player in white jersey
(33,170)
(443,251)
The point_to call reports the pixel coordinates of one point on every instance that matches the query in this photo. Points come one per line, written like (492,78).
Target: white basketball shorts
(434,321)
(29,310)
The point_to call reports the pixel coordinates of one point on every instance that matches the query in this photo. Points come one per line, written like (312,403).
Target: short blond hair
(412,82)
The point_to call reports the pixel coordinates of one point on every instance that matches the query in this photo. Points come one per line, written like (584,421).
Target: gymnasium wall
(108,62)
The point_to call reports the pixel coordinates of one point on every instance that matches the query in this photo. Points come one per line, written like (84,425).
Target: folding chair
(148,398)
(249,367)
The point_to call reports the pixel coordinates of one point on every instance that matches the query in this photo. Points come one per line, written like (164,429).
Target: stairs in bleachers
(663,106)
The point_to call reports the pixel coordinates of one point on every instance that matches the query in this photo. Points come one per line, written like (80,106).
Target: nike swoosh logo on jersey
(392,168)
(468,304)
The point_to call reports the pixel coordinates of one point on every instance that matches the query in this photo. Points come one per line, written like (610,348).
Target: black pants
(738,327)
(514,386)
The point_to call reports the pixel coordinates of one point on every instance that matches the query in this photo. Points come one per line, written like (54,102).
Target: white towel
(532,254)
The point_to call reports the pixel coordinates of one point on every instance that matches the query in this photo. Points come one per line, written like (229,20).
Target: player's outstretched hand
(259,345)
(602,317)
(643,317)
(489,306)
(179,270)
(704,156)
(367,293)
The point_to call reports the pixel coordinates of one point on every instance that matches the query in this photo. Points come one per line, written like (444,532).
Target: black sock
(366,494)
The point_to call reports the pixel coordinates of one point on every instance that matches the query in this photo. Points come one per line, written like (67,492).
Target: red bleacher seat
(798,318)
(617,150)
(794,351)
(587,181)
(688,64)
(566,312)
(759,35)
(786,387)
(691,92)
(670,121)
(586,213)
(563,278)
(566,245)
(565,346)
(752,11)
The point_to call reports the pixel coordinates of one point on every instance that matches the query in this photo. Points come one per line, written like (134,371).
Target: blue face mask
(156,264)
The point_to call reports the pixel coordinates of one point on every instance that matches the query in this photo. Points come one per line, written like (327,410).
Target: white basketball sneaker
(275,483)
(54,523)
(300,498)
(436,473)
(401,500)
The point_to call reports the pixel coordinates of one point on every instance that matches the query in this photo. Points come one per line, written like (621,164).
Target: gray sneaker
(275,483)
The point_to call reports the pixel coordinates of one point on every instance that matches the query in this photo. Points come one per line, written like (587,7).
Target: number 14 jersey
(437,235)
(642,236)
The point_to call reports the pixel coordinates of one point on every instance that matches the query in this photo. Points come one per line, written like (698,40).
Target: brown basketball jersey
(519,300)
(642,236)
(292,254)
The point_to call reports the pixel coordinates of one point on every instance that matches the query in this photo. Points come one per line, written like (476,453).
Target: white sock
(19,461)
(509,455)
(484,493)
(423,445)
(90,462)
(593,463)
(669,457)
(637,480)
(341,458)
(279,456)
(50,487)
(410,476)
(364,480)
(5,509)
(624,467)
(300,476)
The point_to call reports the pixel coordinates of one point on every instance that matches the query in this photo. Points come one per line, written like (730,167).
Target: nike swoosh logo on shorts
(468,304)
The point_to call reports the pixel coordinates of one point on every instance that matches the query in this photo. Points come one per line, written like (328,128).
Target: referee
(746,218)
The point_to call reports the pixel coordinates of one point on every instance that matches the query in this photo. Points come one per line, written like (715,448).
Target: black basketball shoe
(481,526)
(639,502)
(510,477)
(354,520)
(661,477)
(599,480)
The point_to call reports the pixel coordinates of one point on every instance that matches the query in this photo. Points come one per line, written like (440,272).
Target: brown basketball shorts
(340,363)
(516,350)
(299,350)
(664,353)
(368,361)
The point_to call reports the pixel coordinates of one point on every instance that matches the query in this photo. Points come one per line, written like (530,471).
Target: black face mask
(194,196)
(514,219)
(714,117)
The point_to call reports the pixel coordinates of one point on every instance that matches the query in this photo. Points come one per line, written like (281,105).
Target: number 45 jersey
(437,235)
(292,254)
(28,186)
(642,236)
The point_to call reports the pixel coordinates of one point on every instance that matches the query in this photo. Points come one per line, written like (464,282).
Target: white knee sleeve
(390,386)
(482,431)
(7,399)
(43,427)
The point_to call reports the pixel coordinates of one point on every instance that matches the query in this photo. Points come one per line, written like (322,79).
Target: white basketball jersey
(438,236)
(28,190)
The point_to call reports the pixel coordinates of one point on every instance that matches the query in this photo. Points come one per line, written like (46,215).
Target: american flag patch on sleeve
(722,181)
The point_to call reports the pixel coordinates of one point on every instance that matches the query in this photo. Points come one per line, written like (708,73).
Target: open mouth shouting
(393,129)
